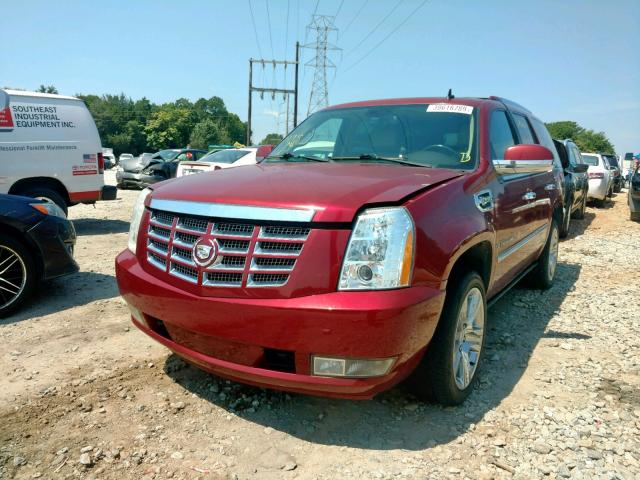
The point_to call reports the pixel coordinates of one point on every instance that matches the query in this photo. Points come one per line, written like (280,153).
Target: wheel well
(558,214)
(25,184)
(18,236)
(477,258)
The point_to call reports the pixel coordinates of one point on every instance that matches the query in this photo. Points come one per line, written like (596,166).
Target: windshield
(437,135)
(225,156)
(166,154)
(590,159)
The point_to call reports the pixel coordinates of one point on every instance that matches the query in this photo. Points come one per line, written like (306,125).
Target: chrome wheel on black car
(16,274)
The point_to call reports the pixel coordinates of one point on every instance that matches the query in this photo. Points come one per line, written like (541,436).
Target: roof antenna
(450,95)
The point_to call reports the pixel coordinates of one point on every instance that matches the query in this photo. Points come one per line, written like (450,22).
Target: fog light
(137,315)
(351,367)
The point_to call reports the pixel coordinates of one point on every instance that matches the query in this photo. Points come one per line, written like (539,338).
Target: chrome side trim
(514,248)
(244,212)
(527,206)
(507,167)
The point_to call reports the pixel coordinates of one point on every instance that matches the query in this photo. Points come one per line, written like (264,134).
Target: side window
(546,141)
(526,136)
(577,156)
(500,134)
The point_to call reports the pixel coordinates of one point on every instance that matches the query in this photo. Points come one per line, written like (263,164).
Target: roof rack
(509,103)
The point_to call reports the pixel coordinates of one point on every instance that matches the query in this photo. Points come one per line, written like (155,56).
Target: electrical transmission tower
(322,27)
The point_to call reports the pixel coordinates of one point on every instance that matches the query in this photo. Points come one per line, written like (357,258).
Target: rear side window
(577,156)
(545,139)
(522,126)
(500,135)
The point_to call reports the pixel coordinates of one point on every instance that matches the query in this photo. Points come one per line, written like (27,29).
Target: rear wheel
(449,369)
(47,195)
(579,214)
(545,271)
(17,275)
(634,216)
(566,219)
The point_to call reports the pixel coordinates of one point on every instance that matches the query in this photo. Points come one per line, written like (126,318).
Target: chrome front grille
(249,255)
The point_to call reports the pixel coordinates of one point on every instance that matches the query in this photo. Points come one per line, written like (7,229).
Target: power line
(316,9)
(355,16)
(266,2)
(400,25)
(339,8)
(375,29)
(286,35)
(255,30)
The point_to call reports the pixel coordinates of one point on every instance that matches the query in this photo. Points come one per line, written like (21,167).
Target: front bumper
(229,337)
(55,238)
(137,179)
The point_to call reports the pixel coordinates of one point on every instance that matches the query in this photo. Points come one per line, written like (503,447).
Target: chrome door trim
(510,167)
(514,248)
(537,203)
(242,212)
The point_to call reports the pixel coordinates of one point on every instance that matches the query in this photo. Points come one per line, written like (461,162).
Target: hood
(134,164)
(335,191)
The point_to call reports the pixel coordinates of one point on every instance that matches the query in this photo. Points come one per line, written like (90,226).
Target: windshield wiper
(289,156)
(369,156)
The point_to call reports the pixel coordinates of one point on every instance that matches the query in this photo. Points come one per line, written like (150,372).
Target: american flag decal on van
(89,158)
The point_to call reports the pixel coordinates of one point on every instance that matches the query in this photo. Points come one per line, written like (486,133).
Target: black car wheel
(17,274)
(579,214)
(450,366)
(47,195)
(566,219)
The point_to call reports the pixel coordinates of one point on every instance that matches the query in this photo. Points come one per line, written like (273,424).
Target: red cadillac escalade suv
(362,251)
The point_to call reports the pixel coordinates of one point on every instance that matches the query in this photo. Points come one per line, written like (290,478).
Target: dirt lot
(84,395)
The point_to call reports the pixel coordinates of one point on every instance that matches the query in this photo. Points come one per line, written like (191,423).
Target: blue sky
(564,60)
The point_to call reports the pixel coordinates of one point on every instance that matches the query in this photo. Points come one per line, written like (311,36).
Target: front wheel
(545,271)
(17,275)
(566,219)
(579,214)
(449,369)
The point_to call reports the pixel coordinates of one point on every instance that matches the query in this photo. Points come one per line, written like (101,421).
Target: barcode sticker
(451,108)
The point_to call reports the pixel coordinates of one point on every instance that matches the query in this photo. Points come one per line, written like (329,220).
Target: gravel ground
(85,396)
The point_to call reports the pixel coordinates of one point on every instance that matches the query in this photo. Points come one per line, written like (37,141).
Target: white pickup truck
(50,149)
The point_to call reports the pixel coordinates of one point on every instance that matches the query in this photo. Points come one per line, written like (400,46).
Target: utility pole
(322,26)
(273,91)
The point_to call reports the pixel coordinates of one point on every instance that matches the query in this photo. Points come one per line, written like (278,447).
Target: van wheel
(545,271)
(634,216)
(17,275)
(449,368)
(47,195)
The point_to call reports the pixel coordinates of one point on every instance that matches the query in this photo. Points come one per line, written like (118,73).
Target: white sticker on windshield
(448,107)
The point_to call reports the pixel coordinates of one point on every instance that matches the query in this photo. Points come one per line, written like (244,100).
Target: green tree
(169,127)
(47,89)
(271,139)
(586,140)
(208,132)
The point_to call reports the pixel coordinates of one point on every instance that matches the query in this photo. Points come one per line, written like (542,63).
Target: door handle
(529,196)
(550,186)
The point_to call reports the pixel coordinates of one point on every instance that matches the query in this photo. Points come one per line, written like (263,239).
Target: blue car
(36,243)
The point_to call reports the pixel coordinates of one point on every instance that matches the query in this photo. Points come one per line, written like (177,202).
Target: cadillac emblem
(205,251)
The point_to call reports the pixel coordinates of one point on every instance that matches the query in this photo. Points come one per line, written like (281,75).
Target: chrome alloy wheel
(13,276)
(553,253)
(468,338)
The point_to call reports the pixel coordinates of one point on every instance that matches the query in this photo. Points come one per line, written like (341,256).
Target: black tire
(634,216)
(543,275)
(47,194)
(579,214)
(434,378)
(8,247)
(566,219)
(600,202)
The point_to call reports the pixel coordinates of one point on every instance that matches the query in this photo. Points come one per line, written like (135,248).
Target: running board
(513,282)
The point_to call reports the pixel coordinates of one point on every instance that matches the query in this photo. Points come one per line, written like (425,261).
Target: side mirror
(580,168)
(524,158)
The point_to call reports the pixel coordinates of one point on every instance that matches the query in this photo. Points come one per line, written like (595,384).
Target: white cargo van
(50,149)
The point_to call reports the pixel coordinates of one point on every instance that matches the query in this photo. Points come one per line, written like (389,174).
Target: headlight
(49,208)
(134,226)
(380,251)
